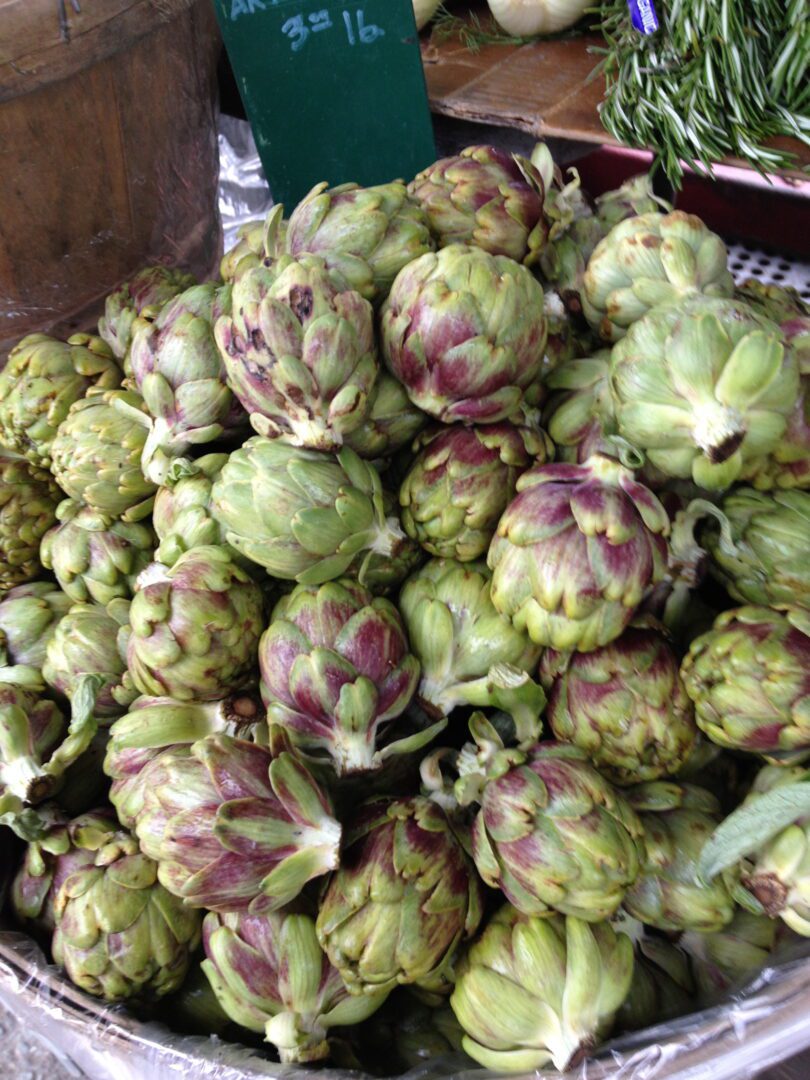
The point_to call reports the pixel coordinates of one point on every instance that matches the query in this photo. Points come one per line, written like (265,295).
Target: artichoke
(408,1031)
(182,516)
(668,894)
(461,482)
(42,378)
(465,332)
(579,412)
(649,260)
(533,991)
(144,295)
(730,957)
(749,677)
(764,558)
(96,557)
(28,501)
(336,670)
(704,389)
(97,454)
(367,234)
(90,640)
(470,654)
(485,197)
(232,828)
(403,898)
(195,626)
(663,986)
(303,515)
(392,421)
(271,976)
(623,704)
(778,302)
(299,352)
(179,372)
(119,933)
(249,247)
(575,552)
(28,617)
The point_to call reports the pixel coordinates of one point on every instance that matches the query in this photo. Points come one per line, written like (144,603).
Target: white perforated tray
(747,261)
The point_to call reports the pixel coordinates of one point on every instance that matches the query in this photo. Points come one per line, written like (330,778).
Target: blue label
(643,16)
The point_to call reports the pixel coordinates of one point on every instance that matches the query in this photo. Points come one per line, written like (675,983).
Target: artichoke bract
(271,976)
(234,829)
(182,516)
(537,991)
(28,501)
(623,704)
(367,234)
(731,956)
(336,670)
(663,985)
(250,247)
(470,654)
(90,640)
(194,626)
(404,897)
(486,197)
(703,388)
(144,295)
(678,819)
(119,933)
(391,423)
(303,515)
(552,833)
(465,333)
(765,557)
(461,482)
(42,378)
(96,454)
(749,677)
(298,348)
(575,552)
(579,412)
(179,372)
(96,557)
(649,260)
(28,617)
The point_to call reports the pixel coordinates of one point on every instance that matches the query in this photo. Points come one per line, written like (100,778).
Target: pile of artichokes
(405,640)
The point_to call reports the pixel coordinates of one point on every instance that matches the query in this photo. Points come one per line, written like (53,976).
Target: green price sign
(334,91)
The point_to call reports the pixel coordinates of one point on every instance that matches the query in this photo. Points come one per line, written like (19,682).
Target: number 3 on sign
(297,31)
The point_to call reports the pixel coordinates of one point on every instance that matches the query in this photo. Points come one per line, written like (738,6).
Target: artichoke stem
(353,753)
(718,430)
(388,538)
(298,1037)
(27,779)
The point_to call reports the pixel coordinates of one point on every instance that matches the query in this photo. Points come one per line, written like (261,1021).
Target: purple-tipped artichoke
(28,501)
(576,551)
(234,829)
(271,976)
(485,197)
(551,832)
(28,617)
(195,626)
(144,295)
(404,897)
(336,670)
(392,421)
(461,482)
(465,333)
(623,704)
(96,557)
(119,933)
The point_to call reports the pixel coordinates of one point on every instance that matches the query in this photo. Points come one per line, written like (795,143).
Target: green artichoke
(465,333)
(764,558)
(579,412)
(249,247)
(461,482)
(336,671)
(28,501)
(28,617)
(271,976)
(404,897)
(90,640)
(367,234)
(749,677)
(195,627)
(234,829)
(182,516)
(623,704)
(575,552)
(780,303)
(668,894)
(42,378)
(392,421)
(470,654)
(703,388)
(407,1032)
(119,933)
(94,556)
(97,455)
(303,515)
(730,957)
(650,260)
(143,296)
(537,991)
(663,986)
